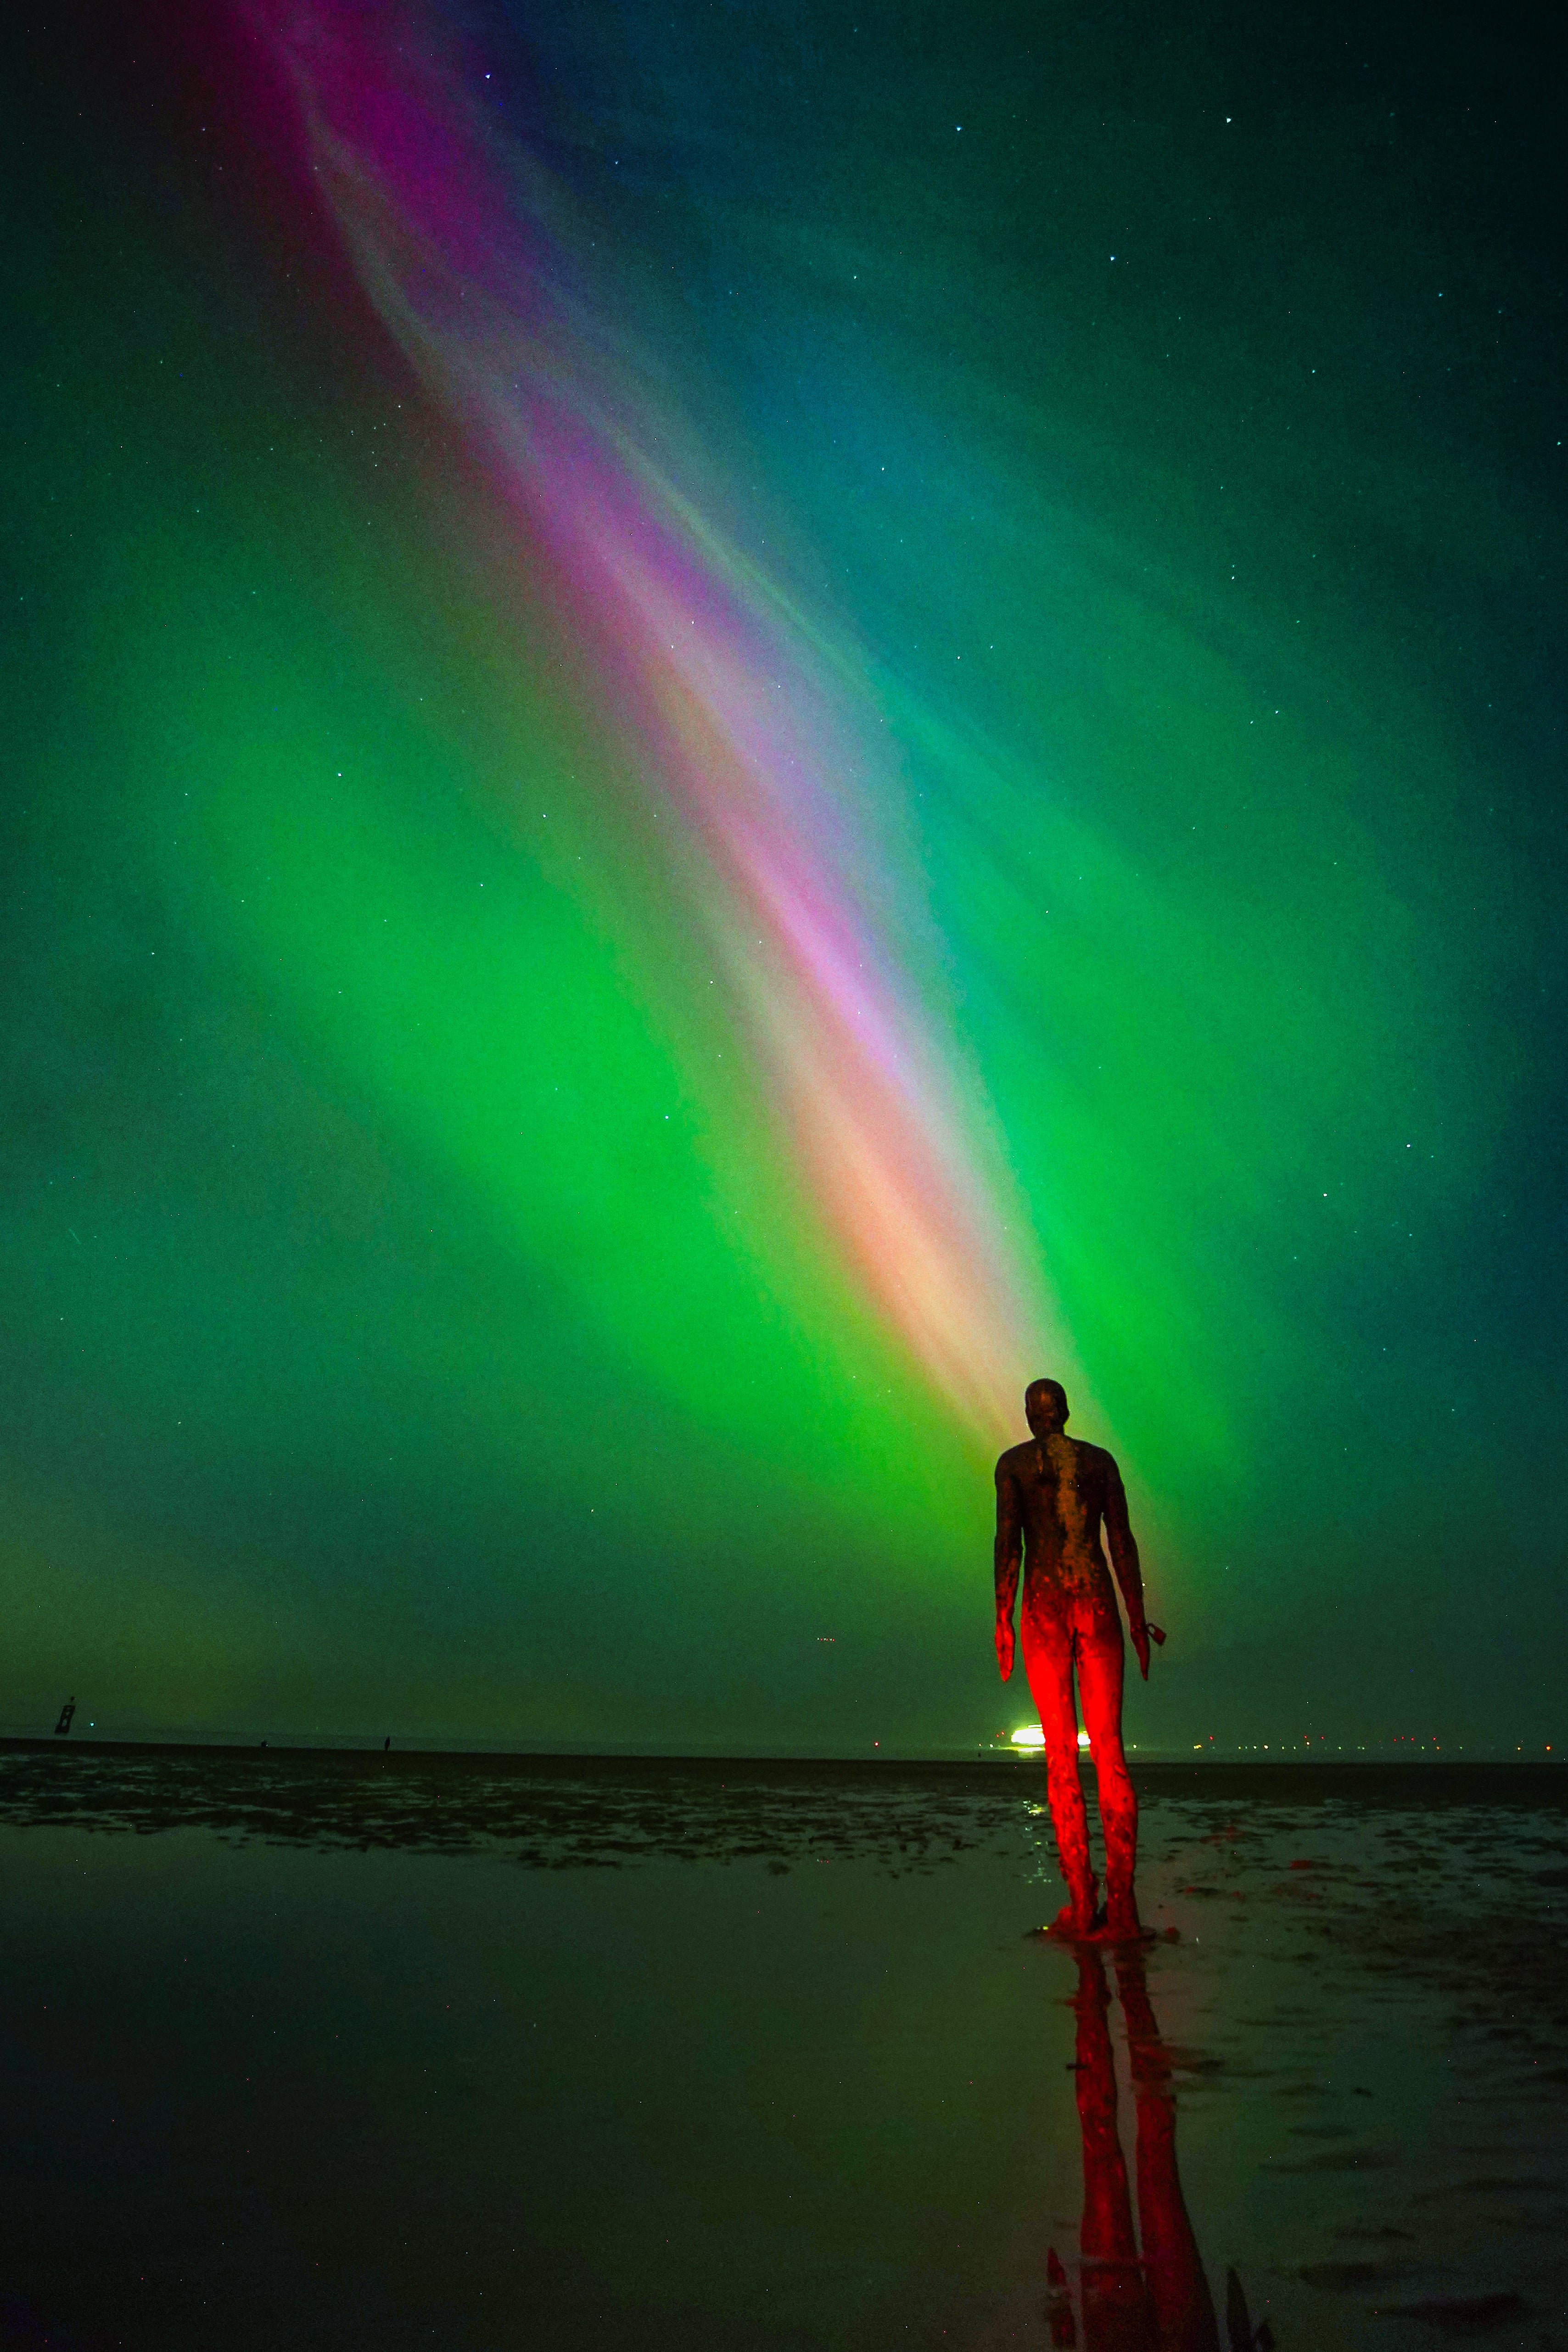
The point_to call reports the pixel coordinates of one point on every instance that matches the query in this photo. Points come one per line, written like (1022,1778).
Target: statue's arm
(1124,1559)
(1009,1552)
(1129,1569)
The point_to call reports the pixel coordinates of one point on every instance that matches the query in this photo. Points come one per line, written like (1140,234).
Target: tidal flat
(338,2048)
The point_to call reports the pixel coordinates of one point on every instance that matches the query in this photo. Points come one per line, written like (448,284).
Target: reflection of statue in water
(1052,1497)
(1159,2302)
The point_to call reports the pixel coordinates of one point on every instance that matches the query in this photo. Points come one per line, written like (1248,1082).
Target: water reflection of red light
(1156,2299)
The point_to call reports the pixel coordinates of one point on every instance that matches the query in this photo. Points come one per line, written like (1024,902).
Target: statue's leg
(1047,1661)
(1099,1674)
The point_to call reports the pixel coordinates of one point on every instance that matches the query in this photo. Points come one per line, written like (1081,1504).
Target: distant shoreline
(1152,1769)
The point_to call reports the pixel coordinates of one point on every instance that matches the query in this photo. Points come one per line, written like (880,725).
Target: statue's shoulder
(1095,1458)
(1018,1459)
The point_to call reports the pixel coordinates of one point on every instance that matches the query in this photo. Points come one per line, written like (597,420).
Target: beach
(471,2052)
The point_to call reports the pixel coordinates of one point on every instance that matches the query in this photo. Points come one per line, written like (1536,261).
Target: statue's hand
(1142,1635)
(1004,1646)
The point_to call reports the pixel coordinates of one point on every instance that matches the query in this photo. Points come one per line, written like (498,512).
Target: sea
(304,2048)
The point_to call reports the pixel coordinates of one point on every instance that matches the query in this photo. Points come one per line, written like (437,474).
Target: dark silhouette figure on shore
(1053,1495)
(385,1745)
(63,1727)
(1156,2300)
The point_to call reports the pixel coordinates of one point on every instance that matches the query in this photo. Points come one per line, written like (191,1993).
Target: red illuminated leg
(1047,1662)
(1099,1674)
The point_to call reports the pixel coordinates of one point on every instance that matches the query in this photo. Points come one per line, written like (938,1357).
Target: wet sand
(341,2048)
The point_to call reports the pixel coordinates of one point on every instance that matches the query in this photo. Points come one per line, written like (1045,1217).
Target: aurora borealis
(724,731)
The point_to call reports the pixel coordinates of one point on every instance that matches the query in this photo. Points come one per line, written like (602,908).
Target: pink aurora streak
(744,719)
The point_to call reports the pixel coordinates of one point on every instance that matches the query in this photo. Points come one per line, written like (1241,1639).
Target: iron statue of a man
(1053,1496)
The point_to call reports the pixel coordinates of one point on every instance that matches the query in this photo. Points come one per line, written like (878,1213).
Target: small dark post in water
(385,1746)
(1244,2336)
(64,1725)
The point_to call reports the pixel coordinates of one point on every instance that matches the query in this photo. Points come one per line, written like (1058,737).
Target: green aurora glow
(416,1316)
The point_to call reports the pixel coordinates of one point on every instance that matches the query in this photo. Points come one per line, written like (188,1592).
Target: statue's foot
(1122,1925)
(1076,1922)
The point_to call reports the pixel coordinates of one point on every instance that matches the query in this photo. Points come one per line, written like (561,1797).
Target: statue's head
(1045,1407)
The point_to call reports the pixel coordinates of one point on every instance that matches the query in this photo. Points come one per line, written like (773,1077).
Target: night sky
(727,726)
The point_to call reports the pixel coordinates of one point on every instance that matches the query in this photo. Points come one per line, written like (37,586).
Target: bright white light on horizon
(1030,1735)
